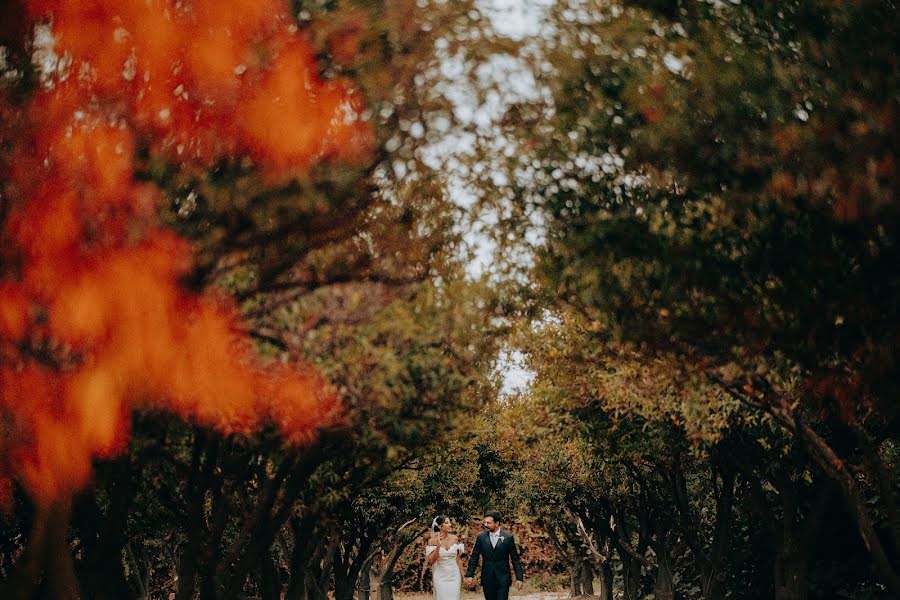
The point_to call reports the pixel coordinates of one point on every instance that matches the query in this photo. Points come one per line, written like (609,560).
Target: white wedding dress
(445,571)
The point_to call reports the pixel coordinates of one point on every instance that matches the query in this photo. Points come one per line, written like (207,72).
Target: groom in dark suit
(498,549)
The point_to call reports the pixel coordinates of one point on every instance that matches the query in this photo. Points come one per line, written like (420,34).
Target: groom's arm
(514,557)
(473,560)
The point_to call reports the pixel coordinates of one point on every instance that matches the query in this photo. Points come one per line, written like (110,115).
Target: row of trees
(352,263)
(715,322)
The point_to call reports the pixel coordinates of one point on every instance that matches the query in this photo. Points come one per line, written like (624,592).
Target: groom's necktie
(494,540)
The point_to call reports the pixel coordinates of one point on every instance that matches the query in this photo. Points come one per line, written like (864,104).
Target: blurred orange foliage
(93,321)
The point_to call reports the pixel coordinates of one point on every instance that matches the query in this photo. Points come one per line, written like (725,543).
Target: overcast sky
(516,19)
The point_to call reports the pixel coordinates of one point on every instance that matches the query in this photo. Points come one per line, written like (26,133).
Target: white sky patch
(43,54)
(516,376)
(673,64)
(515,18)
(508,80)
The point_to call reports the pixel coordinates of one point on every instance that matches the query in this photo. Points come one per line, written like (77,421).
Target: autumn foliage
(94,320)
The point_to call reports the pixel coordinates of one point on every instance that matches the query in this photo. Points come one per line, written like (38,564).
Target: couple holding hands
(495,547)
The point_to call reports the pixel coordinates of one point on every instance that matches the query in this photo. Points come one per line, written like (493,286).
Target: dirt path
(468,595)
(541,596)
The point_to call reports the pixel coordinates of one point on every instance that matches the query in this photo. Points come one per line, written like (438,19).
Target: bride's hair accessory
(438,521)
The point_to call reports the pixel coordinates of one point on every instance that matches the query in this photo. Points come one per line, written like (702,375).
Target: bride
(444,554)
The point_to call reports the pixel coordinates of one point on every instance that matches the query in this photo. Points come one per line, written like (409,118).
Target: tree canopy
(245,350)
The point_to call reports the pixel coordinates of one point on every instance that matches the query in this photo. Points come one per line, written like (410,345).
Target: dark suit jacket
(495,570)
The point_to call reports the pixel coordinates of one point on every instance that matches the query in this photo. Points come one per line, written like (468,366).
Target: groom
(498,548)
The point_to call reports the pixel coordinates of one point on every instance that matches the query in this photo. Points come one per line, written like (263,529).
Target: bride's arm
(432,550)
(459,553)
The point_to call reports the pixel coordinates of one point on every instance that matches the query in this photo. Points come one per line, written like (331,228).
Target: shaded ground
(477,595)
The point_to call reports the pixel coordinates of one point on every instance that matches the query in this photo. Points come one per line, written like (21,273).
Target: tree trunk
(187,573)
(606,581)
(314,589)
(791,570)
(190,555)
(349,565)
(711,584)
(664,584)
(296,589)
(631,576)
(794,548)
(269,584)
(586,575)
(210,578)
(711,580)
(567,551)
(386,586)
(316,574)
(139,571)
(825,457)
(386,572)
(209,587)
(343,586)
(272,511)
(364,588)
(708,561)
(836,468)
(102,533)
(574,580)
(386,577)
(102,547)
(375,583)
(59,578)
(46,570)
(304,547)
(358,567)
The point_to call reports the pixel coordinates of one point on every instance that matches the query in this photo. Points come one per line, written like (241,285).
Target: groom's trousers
(495,591)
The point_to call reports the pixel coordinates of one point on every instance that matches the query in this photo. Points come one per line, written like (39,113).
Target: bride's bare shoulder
(433,540)
(453,539)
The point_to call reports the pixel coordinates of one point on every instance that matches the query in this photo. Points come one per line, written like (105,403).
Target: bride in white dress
(444,554)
